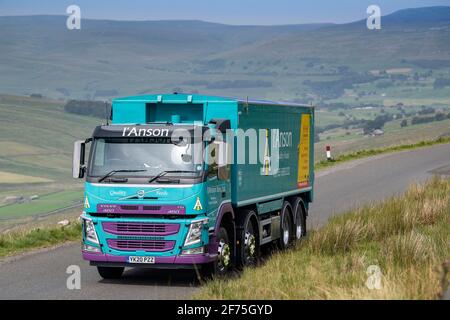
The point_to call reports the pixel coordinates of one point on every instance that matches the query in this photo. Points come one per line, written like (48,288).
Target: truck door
(218,175)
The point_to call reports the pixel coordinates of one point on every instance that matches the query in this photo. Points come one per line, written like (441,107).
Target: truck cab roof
(181,108)
(197,98)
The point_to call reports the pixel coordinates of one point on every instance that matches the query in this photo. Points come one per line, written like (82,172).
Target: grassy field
(403,242)
(36,140)
(36,137)
(14,178)
(26,223)
(44,204)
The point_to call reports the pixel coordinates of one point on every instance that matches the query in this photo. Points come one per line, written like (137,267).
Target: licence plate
(134,259)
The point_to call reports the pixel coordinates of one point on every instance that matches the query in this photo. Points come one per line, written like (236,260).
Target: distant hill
(428,15)
(422,33)
(110,58)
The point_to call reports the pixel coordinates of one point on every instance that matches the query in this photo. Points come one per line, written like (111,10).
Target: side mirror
(78,166)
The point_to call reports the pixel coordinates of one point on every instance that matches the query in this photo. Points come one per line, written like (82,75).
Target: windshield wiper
(113,172)
(163,173)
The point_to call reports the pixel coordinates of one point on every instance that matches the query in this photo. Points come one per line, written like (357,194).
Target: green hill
(294,62)
(36,139)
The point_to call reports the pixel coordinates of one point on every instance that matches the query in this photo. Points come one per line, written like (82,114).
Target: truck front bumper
(171,262)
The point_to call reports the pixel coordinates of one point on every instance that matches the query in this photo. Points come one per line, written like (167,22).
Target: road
(43,275)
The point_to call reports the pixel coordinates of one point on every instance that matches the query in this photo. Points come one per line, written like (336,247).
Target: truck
(193,181)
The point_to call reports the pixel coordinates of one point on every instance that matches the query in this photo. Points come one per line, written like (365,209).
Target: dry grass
(407,237)
(8,177)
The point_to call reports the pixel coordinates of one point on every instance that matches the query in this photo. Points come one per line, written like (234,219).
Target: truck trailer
(192,181)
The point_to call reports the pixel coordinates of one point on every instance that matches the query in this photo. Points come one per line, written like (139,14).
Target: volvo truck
(191,181)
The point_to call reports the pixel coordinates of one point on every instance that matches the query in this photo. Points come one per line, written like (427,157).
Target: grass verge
(372,152)
(406,237)
(19,241)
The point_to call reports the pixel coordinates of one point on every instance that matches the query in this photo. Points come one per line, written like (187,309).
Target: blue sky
(225,11)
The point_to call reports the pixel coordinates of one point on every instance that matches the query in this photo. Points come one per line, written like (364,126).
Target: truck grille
(140,209)
(135,208)
(151,208)
(136,228)
(145,245)
(130,207)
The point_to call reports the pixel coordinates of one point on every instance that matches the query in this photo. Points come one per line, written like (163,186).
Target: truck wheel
(110,272)
(300,220)
(248,248)
(223,252)
(286,227)
(223,263)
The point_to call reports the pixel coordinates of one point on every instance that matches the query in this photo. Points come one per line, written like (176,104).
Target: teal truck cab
(192,181)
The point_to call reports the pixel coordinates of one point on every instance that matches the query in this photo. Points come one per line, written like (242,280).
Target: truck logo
(265,170)
(282,139)
(141,194)
(198,205)
(141,132)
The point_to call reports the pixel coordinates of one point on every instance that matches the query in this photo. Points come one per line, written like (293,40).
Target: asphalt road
(42,275)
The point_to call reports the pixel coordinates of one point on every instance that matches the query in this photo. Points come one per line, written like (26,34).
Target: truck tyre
(223,263)
(110,272)
(299,219)
(224,257)
(286,226)
(248,248)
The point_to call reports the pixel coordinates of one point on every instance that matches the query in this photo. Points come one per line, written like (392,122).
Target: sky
(242,12)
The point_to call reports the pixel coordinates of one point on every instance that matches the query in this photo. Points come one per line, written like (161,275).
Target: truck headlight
(198,250)
(92,249)
(89,230)
(194,235)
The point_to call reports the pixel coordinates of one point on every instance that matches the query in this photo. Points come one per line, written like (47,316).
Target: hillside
(106,58)
(312,62)
(402,37)
(36,137)
(36,141)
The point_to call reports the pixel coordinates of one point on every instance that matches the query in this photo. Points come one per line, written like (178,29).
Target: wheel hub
(250,244)
(224,255)
(286,236)
(299,231)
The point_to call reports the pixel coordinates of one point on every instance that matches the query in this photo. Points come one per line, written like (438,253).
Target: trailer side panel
(290,128)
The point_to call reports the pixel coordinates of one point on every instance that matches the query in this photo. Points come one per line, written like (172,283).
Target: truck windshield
(146,157)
